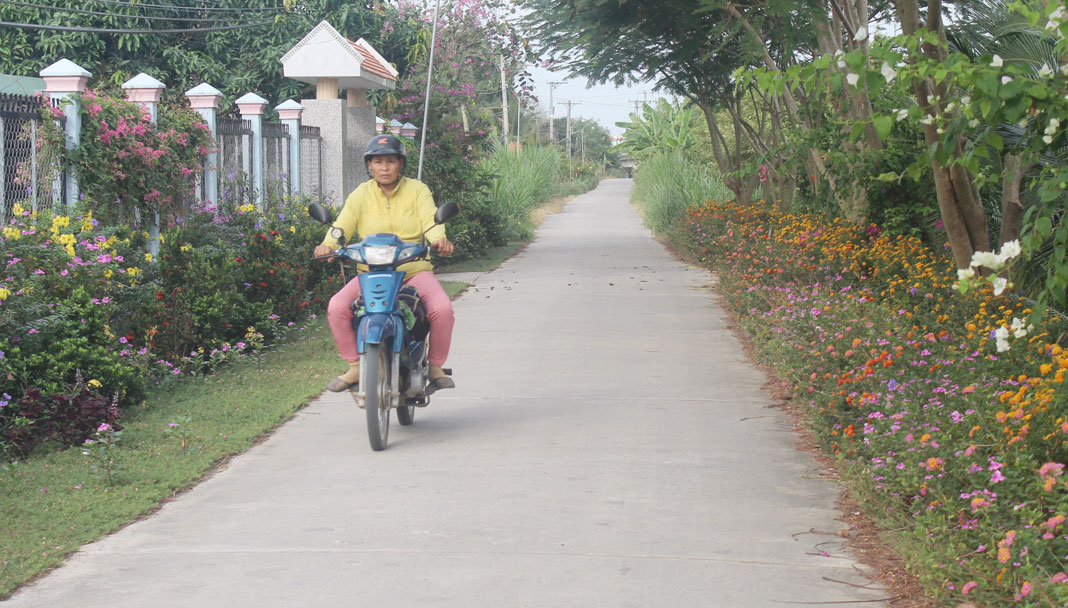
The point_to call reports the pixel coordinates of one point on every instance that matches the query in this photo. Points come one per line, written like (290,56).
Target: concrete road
(608,445)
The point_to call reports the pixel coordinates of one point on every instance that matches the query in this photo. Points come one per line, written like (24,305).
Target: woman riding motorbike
(392,203)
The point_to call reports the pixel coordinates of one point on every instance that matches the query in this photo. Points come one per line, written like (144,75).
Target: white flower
(1017,324)
(902,115)
(1045,71)
(997,62)
(852,79)
(966,100)
(888,72)
(1047,139)
(842,64)
(963,274)
(1000,283)
(951,106)
(1056,18)
(1001,336)
(1006,79)
(985,258)
(973,123)
(928,120)
(861,35)
(1010,250)
(1054,123)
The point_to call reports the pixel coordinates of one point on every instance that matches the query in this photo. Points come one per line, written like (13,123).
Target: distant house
(21,85)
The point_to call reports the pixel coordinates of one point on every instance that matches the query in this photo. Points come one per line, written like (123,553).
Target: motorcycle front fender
(377,329)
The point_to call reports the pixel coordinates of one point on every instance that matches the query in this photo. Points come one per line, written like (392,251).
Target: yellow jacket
(407,213)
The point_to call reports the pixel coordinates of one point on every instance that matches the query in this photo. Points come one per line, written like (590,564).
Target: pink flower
(1051,469)
(103,427)
(1025,590)
(997,477)
(1060,577)
(968,587)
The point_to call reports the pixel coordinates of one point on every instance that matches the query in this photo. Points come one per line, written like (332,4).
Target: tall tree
(234,45)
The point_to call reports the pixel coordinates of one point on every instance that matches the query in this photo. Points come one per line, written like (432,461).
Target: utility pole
(518,116)
(569,103)
(552,85)
(504,104)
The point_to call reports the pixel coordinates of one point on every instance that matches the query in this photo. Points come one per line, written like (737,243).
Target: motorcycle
(390,325)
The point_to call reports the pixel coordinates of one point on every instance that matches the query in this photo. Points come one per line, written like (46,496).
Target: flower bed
(88,321)
(946,411)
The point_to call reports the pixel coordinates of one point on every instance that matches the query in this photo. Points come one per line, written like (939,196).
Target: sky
(605,104)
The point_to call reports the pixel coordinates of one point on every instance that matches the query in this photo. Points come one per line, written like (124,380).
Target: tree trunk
(721,152)
(1012,210)
(958,197)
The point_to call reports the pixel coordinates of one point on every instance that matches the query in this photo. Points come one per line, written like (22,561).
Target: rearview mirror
(446,212)
(319,213)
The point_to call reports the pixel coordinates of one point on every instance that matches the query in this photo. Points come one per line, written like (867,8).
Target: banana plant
(667,126)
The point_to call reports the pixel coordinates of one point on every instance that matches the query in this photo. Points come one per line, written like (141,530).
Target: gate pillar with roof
(64,79)
(331,62)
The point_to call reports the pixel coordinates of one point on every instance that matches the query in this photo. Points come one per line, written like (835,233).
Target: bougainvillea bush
(129,168)
(947,410)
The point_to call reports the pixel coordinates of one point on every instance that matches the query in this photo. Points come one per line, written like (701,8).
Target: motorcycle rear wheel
(378,394)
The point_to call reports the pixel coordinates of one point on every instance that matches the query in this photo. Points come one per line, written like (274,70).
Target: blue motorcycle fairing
(380,289)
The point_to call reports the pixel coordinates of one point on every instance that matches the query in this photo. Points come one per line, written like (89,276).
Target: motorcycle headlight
(379,255)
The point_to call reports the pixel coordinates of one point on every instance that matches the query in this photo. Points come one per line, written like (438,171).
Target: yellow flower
(94,383)
(293,229)
(108,273)
(4,293)
(87,221)
(185,247)
(133,271)
(17,210)
(11,233)
(148,257)
(70,250)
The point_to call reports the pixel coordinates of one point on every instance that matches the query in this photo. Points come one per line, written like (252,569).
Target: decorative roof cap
(324,53)
(143,81)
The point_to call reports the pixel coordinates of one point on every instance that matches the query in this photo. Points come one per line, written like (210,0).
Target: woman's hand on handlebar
(444,247)
(323,250)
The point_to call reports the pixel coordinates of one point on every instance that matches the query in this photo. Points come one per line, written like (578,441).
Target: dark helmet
(381,145)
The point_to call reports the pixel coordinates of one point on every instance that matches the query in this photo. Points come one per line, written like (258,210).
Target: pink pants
(438,312)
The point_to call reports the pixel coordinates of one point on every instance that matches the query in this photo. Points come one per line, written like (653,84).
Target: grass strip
(56,501)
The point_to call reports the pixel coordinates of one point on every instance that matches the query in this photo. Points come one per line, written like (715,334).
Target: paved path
(607,446)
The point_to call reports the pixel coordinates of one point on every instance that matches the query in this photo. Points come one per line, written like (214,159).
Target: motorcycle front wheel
(378,394)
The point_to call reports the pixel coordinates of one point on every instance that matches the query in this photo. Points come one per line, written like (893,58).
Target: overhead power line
(104,30)
(122,15)
(189,8)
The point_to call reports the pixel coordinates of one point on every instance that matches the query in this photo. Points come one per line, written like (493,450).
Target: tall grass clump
(522,182)
(665,185)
